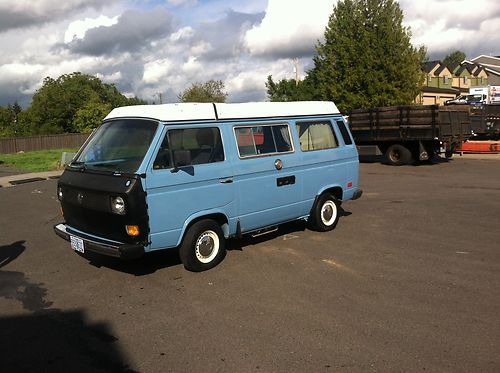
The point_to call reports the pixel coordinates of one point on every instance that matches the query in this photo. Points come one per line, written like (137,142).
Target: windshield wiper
(104,164)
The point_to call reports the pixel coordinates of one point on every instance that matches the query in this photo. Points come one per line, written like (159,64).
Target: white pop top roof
(208,111)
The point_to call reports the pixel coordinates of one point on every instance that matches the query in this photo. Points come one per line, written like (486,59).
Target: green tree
(290,90)
(454,59)
(90,116)
(210,91)
(367,58)
(56,104)
(10,125)
(6,122)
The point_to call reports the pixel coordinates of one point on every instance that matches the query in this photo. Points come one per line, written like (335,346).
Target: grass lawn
(43,160)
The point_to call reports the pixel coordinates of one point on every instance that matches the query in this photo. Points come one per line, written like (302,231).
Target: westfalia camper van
(191,175)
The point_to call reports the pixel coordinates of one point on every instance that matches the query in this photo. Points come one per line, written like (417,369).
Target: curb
(8,181)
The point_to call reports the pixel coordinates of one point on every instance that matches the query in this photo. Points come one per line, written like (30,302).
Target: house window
(465,80)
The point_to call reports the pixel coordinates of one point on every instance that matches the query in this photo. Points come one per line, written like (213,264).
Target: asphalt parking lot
(408,281)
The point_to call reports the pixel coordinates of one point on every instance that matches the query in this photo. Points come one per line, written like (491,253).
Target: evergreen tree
(454,59)
(367,59)
(9,121)
(210,91)
(6,122)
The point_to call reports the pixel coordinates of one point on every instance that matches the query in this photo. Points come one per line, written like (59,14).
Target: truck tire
(448,154)
(203,246)
(397,155)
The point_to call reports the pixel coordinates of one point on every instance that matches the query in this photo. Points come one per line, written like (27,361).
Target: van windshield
(118,145)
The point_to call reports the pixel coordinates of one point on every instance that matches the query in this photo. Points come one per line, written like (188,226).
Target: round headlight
(118,205)
(59,193)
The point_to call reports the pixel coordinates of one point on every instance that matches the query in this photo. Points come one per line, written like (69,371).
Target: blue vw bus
(192,175)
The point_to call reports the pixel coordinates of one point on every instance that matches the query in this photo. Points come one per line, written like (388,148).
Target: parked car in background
(471,99)
(487,95)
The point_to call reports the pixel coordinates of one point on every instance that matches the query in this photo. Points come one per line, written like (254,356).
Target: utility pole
(161,101)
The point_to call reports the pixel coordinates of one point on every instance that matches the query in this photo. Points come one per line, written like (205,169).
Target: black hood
(86,204)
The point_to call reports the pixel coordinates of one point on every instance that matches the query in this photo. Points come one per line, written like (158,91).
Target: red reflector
(349,184)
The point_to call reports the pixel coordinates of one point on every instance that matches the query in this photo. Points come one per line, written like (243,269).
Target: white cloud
(26,13)
(248,83)
(191,66)
(44,6)
(77,29)
(201,47)
(289,28)
(184,33)
(229,40)
(110,78)
(443,26)
(19,72)
(20,78)
(182,2)
(155,71)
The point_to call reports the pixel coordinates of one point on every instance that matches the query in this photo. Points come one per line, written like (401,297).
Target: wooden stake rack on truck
(485,121)
(409,133)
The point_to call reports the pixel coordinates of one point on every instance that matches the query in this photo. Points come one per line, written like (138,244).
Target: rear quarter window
(344,132)
(316,136)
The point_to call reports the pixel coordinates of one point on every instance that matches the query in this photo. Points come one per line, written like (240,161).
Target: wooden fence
(66,140)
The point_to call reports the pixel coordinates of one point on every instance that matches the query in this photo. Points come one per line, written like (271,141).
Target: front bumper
(357,193)
(99,245)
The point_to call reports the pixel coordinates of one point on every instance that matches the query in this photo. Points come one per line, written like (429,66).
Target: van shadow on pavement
(147,264)
(152,262)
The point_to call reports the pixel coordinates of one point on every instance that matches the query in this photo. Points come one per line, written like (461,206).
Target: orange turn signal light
(132,230)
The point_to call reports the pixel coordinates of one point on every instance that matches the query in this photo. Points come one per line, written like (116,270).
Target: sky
(152,47)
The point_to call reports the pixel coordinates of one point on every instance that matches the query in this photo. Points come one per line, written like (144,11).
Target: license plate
(77,244)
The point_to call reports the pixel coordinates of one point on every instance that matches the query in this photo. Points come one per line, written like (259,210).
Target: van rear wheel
(203,246)
(325,214)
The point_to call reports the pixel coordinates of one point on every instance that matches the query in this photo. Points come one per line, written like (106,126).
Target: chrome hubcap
(328,213)
(207,246)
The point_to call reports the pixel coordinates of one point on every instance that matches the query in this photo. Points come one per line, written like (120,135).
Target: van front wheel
(203,246)
(325,214)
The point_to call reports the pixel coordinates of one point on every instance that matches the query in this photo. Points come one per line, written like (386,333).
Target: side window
(316,136)
(262,140)
(189,146)
(344,132)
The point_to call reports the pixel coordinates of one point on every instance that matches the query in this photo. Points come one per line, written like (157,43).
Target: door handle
(287,180)
(227,180)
